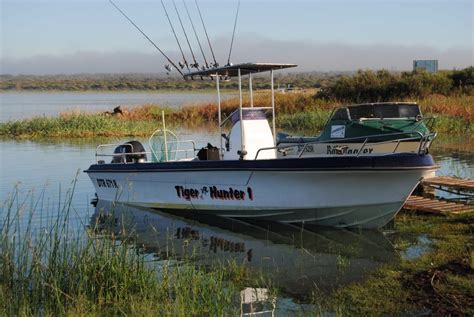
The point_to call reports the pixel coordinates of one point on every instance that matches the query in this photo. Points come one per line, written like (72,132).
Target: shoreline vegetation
(300,112)
(67,271)
(442,82)
(62,270)
(150,82)
(447,95)
(439,282)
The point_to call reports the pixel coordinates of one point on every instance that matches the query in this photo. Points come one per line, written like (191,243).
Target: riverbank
(299,112)
(438,282)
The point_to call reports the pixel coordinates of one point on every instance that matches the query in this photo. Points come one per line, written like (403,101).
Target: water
(27,104)
(296,258)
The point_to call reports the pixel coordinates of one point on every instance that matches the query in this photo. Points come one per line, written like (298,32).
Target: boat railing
(429,122)
(424,141)
(99,152)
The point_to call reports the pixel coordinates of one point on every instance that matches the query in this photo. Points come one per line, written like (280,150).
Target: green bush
(382,85)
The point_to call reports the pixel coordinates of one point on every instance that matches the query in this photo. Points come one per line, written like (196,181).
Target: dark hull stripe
(387,162)
(253,170)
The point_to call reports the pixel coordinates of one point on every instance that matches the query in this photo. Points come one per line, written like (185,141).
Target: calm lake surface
(43,172)
(27,104)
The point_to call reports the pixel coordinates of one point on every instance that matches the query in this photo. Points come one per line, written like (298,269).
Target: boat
(365,129)
(244,176)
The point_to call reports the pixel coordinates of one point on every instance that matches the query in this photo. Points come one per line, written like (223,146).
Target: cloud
(248,47)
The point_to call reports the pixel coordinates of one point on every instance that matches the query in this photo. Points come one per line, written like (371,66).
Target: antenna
(195,34)
(233,32)
(196,64)
(146,36)
(207,36)
(176,37)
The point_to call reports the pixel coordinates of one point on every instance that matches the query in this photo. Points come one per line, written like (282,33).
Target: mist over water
(308,55)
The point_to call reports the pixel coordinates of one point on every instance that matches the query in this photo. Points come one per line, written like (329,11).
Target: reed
(298,112)
(454,106)
(77,126)
(60,269)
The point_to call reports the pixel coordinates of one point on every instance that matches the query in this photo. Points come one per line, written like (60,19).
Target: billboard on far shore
(430,65)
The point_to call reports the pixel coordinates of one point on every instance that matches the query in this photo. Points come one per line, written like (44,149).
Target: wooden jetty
(458,184)
(437,206)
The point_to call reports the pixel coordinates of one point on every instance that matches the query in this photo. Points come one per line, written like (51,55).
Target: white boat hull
(340,198)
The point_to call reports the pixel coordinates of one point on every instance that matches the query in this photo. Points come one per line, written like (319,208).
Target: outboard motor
(129,147)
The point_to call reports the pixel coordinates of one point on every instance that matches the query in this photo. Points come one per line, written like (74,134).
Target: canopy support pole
(164,134)
(221,153)
(242,147)
(251,90)
(273,106)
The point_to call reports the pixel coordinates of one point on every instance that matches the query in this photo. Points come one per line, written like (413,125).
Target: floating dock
(436,206)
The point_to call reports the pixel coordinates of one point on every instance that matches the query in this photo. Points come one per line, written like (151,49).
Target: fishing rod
(176,37)
(146,36)
(195,34)
(196,64)
(233,32)
(207,36)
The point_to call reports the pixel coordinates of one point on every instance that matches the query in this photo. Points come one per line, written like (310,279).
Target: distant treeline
(370,86)
(123,82)
(362,86)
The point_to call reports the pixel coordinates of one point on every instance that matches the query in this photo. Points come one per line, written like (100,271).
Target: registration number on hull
(107,183)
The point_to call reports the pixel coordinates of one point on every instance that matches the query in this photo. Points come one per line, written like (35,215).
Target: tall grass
(77,125)
(60,270)
(295,111)
(309,122)
(454,106)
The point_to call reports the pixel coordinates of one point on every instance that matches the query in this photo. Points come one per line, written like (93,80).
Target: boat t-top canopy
(240,70)
(233,70)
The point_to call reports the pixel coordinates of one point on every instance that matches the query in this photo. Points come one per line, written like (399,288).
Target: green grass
(310,121)
(60,270)
(452,125)
(76,126)
(440,282)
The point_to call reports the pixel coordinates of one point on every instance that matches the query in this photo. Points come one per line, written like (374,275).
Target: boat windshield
(383,111)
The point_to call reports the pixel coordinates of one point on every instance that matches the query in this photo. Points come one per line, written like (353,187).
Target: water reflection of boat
(297,259)
(246,178)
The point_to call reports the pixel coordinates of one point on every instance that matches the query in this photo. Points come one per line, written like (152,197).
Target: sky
(72,36)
